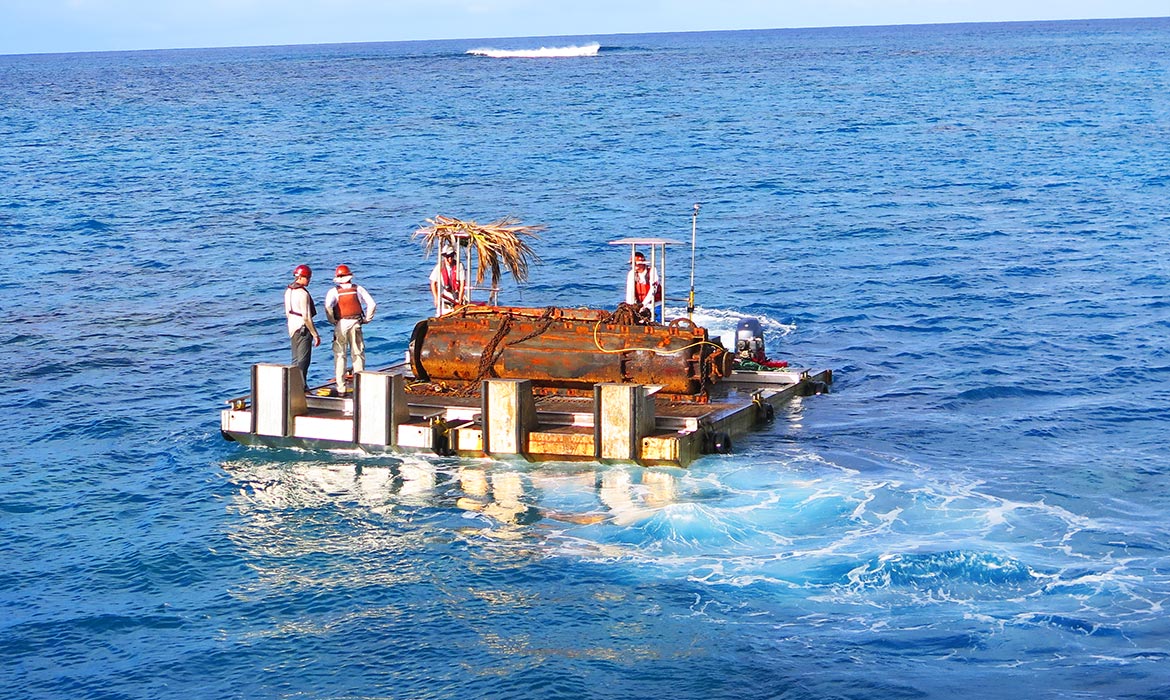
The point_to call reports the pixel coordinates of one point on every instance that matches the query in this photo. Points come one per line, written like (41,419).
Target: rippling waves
(964,222)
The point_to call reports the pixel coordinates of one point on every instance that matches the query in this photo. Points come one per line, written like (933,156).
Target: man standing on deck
(299,312)
(448,282)
(642,288)
(344,308)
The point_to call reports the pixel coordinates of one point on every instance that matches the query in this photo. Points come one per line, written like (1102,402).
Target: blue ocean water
(967,223)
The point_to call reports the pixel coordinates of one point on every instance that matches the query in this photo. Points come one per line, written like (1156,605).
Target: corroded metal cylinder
(564,349)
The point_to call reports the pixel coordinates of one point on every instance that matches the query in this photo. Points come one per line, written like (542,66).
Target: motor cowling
(749,340)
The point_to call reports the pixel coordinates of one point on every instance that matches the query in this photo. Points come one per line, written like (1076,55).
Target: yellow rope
(656,351)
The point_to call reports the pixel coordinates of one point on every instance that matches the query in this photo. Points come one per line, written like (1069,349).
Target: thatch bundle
(500,243)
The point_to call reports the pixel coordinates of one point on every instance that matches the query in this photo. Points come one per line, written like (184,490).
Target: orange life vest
(450,275)
(642,287)
(349,305)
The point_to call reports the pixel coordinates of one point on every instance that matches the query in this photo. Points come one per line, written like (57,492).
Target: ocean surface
(967,223)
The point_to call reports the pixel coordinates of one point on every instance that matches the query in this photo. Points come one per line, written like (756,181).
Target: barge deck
(621,422)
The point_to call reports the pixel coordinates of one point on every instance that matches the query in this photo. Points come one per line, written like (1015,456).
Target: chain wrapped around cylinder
(565,350)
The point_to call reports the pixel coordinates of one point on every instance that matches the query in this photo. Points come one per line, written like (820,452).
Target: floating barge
(537,384)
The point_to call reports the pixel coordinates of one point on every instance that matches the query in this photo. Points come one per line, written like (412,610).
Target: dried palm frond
(500,243)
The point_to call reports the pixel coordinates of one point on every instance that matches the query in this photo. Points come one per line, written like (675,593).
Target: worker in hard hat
(299,311)
(448,281)
(642,286)
(348,306)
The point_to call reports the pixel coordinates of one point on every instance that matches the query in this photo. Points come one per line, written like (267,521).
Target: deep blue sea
(967,223)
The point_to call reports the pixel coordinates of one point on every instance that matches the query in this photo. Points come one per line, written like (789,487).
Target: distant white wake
(542,52)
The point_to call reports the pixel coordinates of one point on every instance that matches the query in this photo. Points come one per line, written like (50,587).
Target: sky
(60,26)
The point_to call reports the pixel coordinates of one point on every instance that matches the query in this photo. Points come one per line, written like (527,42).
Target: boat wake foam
(721,323)
(542,52)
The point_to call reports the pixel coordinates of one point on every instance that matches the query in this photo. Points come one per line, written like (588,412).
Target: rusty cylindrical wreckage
(565,350)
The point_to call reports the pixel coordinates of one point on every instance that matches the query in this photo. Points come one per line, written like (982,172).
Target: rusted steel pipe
(569,349)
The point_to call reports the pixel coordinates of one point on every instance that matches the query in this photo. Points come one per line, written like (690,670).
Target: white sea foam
(542,52)
(721,323)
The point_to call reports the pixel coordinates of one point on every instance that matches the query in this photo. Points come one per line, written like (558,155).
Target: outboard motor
(749,340)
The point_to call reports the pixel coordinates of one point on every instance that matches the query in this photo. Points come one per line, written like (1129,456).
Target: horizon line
(593,37)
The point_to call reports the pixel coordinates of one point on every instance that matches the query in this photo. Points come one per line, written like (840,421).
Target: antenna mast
(691,298)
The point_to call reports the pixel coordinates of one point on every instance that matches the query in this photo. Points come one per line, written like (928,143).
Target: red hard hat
(342,271)
(302,271)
